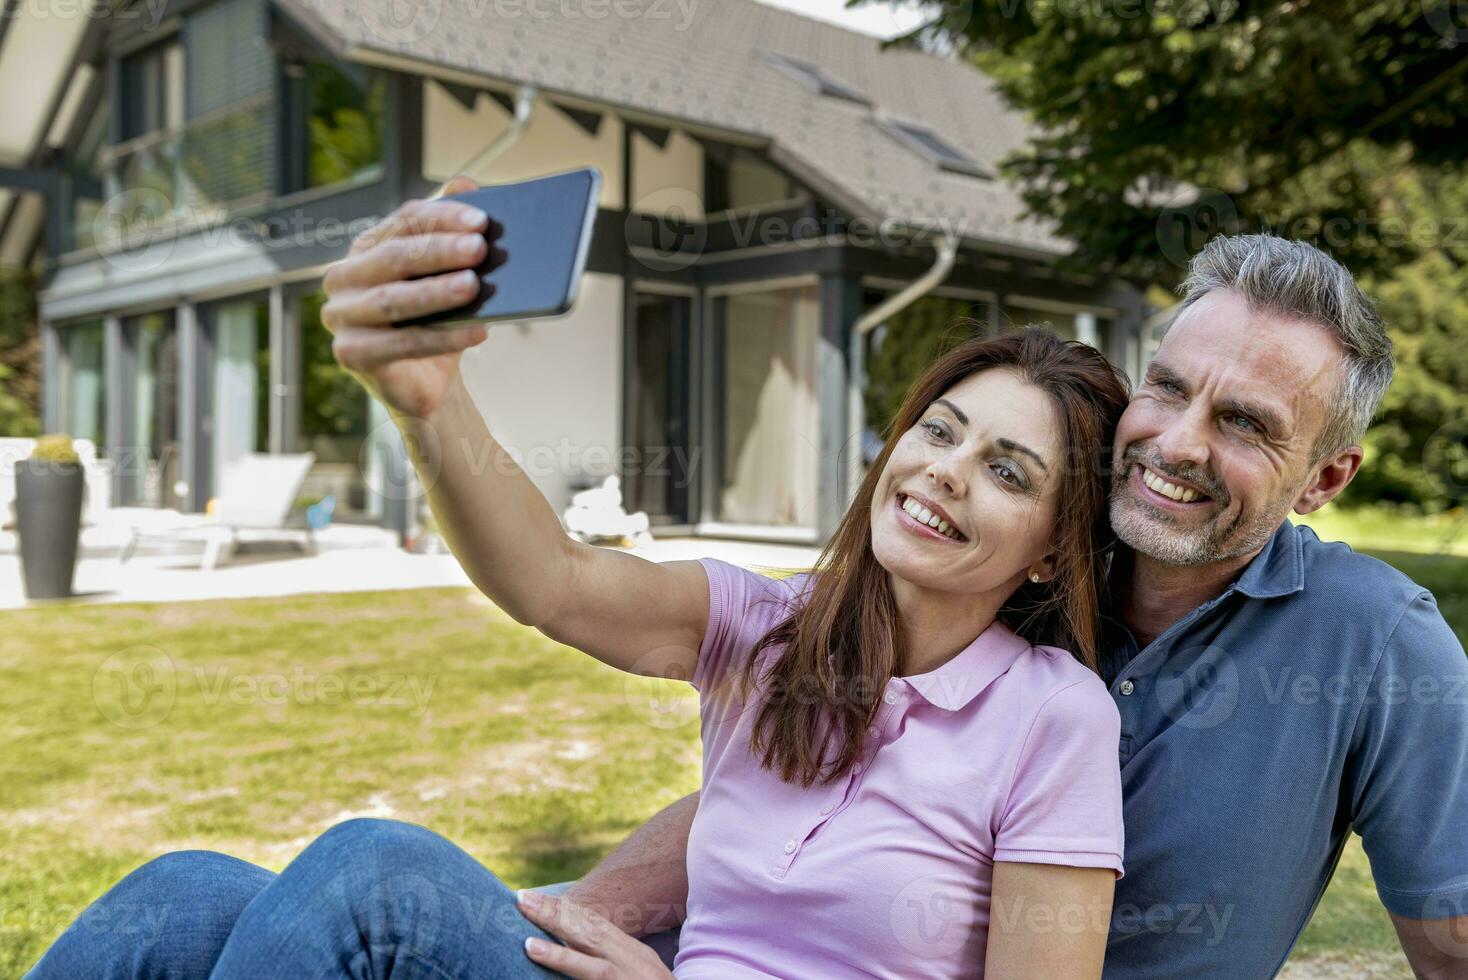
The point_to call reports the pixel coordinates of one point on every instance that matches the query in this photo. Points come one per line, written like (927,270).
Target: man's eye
(1169,387)
(1243,423)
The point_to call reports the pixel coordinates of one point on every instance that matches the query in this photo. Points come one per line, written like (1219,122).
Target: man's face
(1217,443)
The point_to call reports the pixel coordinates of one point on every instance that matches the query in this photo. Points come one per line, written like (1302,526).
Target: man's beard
(1147,531)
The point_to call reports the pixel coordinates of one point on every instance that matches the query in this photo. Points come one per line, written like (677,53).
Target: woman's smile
(920,519)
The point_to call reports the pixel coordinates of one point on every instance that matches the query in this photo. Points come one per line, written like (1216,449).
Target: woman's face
(986,459)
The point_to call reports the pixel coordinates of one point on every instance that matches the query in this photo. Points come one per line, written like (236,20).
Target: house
(187,169)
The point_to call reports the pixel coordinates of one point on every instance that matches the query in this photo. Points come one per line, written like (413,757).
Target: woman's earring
(1035,577)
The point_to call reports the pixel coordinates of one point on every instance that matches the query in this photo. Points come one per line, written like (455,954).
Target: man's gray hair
(1290,278)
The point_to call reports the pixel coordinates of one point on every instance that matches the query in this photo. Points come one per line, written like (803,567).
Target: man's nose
(1185,440)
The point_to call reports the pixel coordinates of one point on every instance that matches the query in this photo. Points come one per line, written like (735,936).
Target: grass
(250,726)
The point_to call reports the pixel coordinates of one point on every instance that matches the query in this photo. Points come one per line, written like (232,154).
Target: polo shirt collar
(1279,569)
(958,681)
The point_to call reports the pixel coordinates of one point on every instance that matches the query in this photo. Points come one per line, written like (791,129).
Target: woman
(909,762)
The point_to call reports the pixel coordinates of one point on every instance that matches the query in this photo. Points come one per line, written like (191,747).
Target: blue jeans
(368,898)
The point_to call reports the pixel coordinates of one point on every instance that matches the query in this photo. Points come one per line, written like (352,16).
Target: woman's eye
(1009,474)
(934,429)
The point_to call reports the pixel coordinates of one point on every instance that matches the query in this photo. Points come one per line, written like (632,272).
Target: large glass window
(240,384)
(83,407)
(770,417)
(153,469)
(337,417)
(344,125)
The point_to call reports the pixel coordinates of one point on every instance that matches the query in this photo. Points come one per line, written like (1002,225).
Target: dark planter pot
(48,519)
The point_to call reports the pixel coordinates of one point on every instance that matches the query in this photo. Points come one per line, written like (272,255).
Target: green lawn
(249,726)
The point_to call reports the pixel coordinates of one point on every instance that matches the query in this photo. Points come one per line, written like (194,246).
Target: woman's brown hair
(842,643)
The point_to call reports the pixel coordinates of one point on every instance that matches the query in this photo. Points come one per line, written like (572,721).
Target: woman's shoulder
(1056,679)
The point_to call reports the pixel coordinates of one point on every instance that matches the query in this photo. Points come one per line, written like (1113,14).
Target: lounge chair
(258,493)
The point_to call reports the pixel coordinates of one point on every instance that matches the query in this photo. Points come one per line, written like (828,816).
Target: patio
(348,558)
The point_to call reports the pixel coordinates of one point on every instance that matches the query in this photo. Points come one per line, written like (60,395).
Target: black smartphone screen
(547,233)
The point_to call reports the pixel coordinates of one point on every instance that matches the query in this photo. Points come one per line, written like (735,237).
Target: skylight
(816,78)
(923,141)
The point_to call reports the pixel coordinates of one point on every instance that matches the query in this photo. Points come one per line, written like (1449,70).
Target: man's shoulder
(1336,572)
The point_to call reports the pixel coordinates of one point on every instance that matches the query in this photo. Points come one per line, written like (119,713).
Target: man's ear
(1331,477)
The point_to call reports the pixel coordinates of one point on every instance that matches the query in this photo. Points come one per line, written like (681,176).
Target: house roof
(41,88)
(707,63)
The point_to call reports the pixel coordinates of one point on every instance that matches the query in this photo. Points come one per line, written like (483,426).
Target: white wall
(552,389)
(453,135)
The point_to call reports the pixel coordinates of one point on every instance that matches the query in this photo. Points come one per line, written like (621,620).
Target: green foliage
(55,447)
(911,340)
(333,403)
(1159,125)
(20,354)
(345,125)
(1134,102)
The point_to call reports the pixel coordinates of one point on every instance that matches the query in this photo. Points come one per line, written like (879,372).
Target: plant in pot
(48,516)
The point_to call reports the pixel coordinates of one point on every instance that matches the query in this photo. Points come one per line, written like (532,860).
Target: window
(152,90)
(923,141)
(335,123)
(816,78)
(735,178)
(769,411)
(83,409)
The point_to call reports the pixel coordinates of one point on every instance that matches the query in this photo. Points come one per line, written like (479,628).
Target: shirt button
(789,846)
(1127,686)
(874,731)
(827,808)
(890,698)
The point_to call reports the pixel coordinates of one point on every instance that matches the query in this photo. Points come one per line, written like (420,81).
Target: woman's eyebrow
(957,412)
(1013,447)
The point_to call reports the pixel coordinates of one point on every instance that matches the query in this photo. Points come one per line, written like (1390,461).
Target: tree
(20,354)
(1159,123)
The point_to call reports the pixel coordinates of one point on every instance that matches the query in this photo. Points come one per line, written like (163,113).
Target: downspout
(947,249)
(524,109)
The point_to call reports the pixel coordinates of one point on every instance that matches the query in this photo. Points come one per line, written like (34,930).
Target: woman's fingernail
(473,218)
(469,245)
(528,898)
(533,946)
(468,278)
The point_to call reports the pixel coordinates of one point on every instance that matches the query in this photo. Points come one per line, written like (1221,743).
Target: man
(1276,692)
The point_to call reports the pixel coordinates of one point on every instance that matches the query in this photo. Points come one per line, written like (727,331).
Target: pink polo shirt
(1007,752)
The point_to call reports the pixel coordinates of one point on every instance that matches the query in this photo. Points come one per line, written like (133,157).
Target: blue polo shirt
(1322,693)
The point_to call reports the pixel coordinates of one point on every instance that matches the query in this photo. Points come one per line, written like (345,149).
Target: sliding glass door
(239,385)
(769,418)
(660,432)
(151,470)
(83,408)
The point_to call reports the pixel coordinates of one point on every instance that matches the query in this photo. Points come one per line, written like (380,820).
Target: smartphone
(547,233)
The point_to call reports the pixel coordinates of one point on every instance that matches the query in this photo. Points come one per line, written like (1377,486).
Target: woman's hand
(409,369)
(595,949)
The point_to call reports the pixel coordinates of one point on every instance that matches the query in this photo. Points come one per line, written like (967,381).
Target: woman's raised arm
(626,611)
